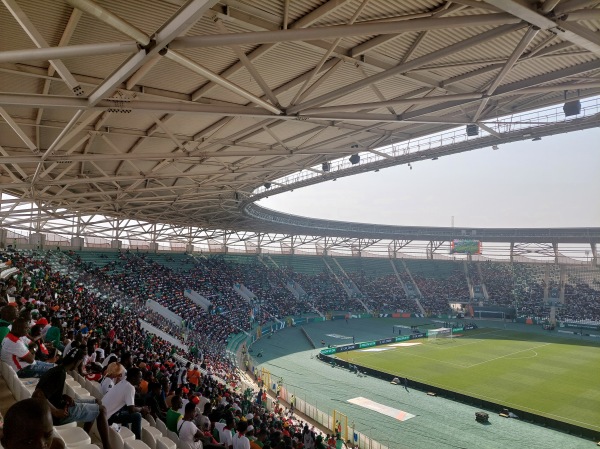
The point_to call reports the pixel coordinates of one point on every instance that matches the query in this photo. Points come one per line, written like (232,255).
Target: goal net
(443,334)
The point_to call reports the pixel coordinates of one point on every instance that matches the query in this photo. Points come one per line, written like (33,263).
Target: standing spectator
(240,441)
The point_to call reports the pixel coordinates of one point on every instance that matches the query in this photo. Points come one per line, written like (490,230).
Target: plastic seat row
(153,437)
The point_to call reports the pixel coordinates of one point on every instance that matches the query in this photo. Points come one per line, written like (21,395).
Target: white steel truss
(175,115)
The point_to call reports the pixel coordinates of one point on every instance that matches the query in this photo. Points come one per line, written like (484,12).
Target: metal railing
(503,125)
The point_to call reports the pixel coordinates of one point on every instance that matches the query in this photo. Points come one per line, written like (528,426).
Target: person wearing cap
(17,355)
(113,375)
(120,403)
(63,408)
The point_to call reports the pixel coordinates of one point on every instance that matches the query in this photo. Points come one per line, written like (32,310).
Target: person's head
(176,402)
(28,424)
(114,370)
(20,327)
(126,359)
(242,426)
(190,410)
(9,313)
(134,376)
(262,434)
(36,331)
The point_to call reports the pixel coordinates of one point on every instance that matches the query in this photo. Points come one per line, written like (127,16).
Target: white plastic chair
(150,435)
(127,434)
(165,443)
(73,436)
(160,425)
(151,420)
(136,444)
(115,439)
(173,436)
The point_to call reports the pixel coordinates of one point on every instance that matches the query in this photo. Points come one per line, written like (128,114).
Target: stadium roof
(179,112)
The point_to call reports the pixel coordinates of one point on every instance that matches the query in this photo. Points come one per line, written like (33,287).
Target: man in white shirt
(225,435)
(120,405)
(16,354)
(240,440)
(186,429)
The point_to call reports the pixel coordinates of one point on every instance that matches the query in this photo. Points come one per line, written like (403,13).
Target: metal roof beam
(516,54)
(341,31)
(571,32)
(40,42)
(405,67)
(183,18)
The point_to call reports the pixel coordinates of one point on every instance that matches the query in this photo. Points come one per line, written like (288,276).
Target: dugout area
(436,418)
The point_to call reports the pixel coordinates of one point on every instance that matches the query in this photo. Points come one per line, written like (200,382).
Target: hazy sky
(554,182)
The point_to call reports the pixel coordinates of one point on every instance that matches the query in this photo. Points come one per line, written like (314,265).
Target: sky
(554,182)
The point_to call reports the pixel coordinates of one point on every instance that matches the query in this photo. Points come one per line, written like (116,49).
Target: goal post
(443,334)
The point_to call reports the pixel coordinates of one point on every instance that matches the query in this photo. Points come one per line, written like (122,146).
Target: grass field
(551,376)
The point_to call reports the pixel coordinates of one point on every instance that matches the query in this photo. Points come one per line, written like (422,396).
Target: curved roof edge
(281,222)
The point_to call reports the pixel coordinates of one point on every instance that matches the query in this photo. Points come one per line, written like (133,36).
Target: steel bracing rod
(341,31)
(40,42)
(68,52)
(405,67)
(328,53)
(305,21)
(398,102)
(261,37)
(516,54)
(111,19)
(241,55)
(513,88)
(116,22)
(204,72)
(18,130)
(185,17)
(580,36)
(55,101)
(377,41)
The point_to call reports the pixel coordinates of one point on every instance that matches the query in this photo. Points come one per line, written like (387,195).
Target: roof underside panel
(183,132)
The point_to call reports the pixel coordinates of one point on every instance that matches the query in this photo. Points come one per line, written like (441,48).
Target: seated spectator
(155,401)
(28,424)
(63,408)
(18,356)
(113,375)
(8,314)
(120,403)
(188,433)
(173,415)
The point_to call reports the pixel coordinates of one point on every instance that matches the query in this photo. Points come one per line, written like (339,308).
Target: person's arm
(55,412)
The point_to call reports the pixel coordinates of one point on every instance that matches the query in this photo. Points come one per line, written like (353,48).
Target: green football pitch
(551,376)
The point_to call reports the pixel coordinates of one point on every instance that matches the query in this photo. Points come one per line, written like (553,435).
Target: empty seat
(115,438)
(150,435)
(73,436)
(160,425)
(165,443)
(135,444)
